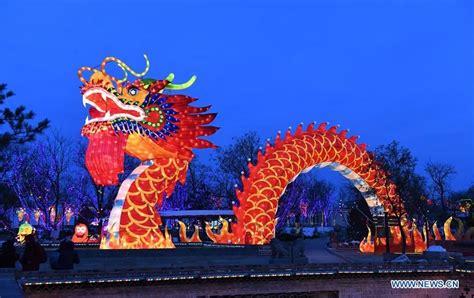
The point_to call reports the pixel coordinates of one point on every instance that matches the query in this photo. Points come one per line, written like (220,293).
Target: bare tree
(319,194)
(399,165)
(440,174)
(289,200)
(41,176)
(233,159)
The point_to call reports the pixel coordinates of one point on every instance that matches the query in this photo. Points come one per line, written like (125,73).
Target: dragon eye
(133,91)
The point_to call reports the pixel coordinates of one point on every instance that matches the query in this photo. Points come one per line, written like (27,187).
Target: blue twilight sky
(386,69)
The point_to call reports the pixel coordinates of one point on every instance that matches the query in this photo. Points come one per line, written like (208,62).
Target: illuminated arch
(296,154)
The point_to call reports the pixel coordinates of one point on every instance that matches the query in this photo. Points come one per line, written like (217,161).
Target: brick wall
(351,287)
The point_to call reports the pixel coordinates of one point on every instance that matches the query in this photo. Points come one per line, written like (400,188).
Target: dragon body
(138,119)
(297,153)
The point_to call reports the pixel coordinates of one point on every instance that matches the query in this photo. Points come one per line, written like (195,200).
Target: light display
(159,129)
(37,214)
(23,230)
(297,153)
(20,213)
(182,233)
(68,215)
(81,234)
(415,240)
(52,214)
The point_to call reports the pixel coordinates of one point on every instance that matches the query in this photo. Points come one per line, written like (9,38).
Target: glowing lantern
(138,119)
(68,214)
(52,214)
(20,213)
(37,213)
(81,234)
(24,230)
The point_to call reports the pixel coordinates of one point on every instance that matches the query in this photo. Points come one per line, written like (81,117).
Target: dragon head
(139,119)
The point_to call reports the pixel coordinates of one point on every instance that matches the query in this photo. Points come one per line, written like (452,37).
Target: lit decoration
(37,214)
(447,229)
(68,214)
(52,214)
(465,205)
(138,119)
(304,208)
(81,234)
(367,245)
(297,153)
(20,213)
(419,243)
(224,236)
(23,230)
(182,233)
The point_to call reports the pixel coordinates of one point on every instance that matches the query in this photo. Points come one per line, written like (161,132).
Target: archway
(293,155)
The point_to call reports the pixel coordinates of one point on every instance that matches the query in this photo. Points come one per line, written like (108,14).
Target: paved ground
(354,256)
(315,249)
(8,285)
(317,252)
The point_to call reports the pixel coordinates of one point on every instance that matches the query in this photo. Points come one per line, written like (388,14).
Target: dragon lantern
(139,119)
(160,130)
(81,234)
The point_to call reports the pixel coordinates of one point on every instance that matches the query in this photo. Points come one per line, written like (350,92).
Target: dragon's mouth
(107,107)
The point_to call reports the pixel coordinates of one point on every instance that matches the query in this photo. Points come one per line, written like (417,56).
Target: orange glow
(447,230)
(182,234)
(417,245)
(224,236)
(420,239)
(111,242)
(81,234)
(396,236)
(367,245)
(159,129)
(420,244)
(284,161)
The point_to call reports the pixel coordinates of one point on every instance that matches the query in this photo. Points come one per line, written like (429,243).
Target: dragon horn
(170,77)
(181,86)
(125,66)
